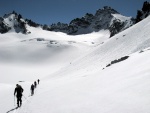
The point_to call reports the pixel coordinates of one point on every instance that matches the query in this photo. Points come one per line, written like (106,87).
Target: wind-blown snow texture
(73,73)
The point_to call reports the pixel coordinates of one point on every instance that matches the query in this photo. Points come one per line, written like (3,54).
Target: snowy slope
(122,88)
(44,51)
(71,71)
(125,43)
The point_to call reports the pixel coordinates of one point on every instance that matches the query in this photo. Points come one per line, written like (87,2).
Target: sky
(53,11)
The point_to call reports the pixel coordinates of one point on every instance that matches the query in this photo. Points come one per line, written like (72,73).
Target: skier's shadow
(12,109)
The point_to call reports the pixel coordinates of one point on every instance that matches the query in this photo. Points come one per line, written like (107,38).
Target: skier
(38,81)
(18,91)
(35,84)
(32,89)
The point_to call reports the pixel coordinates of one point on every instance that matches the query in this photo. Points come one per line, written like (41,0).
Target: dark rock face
(59,27)
(3,26)
(142,14)
(31,23)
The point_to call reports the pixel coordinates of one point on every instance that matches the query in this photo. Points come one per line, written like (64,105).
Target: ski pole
(14,100)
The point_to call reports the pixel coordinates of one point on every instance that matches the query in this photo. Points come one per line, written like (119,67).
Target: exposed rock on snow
(118,60)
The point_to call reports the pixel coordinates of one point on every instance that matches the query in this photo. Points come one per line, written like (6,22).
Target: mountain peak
(15,22)
(103,19)
(108,10)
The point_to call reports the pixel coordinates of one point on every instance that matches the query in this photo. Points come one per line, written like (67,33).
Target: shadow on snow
(12,109)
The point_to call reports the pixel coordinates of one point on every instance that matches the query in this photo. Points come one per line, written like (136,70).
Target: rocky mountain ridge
(104,19)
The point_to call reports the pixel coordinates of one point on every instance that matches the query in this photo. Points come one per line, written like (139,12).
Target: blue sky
(53,11)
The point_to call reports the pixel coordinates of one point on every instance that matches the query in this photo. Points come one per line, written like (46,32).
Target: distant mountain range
(104,19)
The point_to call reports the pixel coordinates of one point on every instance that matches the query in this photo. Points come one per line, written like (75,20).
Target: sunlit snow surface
(73,73)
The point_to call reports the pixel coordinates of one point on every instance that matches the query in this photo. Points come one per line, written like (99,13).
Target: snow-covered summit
(13,22)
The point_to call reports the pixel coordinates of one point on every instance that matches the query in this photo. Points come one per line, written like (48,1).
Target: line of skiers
(33,86)
(19,90)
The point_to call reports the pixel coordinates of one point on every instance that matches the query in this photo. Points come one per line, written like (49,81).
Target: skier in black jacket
(38,81)
(35,84)
(18,91)
(32,89)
